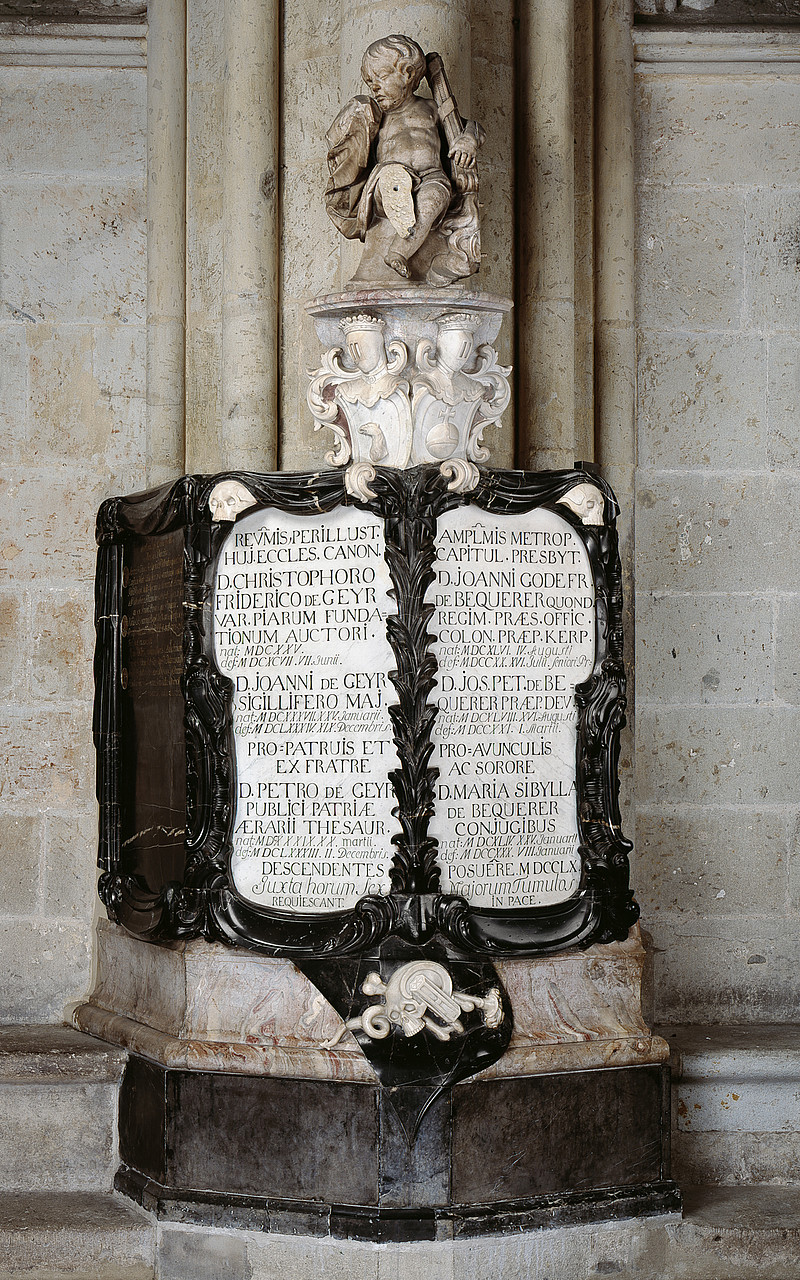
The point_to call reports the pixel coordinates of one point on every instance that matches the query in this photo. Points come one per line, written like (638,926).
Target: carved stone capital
(408,377)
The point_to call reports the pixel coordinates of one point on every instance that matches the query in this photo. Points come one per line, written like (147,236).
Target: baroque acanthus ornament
(409,391)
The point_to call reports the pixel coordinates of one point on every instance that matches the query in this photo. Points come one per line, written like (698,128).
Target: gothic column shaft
(166,254)
(250,276)
(615,335)
(442,28)
(545,214)
(615,382)
(232,247)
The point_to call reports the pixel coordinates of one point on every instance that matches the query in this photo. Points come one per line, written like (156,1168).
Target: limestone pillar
(250,274)
(615,384)
(444,28)
(615,335)
(166,255)
(545,216)
(321,70)
(232,247)
(585,206)
(574,236)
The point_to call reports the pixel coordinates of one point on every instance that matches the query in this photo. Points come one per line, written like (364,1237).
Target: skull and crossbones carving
(412,994)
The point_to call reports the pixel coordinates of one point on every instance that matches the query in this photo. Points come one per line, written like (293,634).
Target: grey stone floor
(728,1233)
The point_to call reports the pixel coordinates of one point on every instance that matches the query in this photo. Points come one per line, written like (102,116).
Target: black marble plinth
(338,1158)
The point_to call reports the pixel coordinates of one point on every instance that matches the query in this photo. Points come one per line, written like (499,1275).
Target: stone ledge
(74,1234)
(706,52)
(741,1212)
(736,1105)
(56,1055)
(33,12)
(117,44)
(763,1051)
(738,1234)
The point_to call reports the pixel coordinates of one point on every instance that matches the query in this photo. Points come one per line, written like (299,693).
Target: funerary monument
(371,940)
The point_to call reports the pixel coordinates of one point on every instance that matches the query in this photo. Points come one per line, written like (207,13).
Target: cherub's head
(391,69)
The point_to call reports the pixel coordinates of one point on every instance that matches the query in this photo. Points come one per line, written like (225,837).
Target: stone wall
(714,801)
(72,431)
(717,605)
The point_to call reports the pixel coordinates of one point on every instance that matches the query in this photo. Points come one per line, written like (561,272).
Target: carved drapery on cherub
(403,177)
(389,407)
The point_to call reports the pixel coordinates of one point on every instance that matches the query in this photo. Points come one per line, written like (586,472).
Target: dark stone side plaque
(152,770)
(394,718)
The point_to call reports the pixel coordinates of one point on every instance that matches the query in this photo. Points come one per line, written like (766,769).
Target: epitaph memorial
(357,732)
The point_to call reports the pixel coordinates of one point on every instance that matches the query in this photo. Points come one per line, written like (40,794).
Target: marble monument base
(209,1007)
(341,1158)
(232,1112)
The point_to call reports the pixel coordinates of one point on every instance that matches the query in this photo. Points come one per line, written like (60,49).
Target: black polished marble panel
(256,1135)
(571,1131)
(415,1153)
(142,1112)
(376,1163)
(286,1217)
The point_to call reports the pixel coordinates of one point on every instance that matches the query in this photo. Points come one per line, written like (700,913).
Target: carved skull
(410,992)
(586,501)
(228,499)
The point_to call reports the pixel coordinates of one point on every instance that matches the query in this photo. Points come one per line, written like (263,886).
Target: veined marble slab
(211,1008)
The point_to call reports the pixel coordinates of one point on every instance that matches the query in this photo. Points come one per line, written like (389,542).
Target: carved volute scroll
(412,380)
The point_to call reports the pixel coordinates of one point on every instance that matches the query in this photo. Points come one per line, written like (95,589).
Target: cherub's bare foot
(398,264)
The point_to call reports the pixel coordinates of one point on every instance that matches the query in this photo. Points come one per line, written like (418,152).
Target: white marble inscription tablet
(515,618)
(300,613)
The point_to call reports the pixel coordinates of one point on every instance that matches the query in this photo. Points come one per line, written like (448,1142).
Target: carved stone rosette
(408,377)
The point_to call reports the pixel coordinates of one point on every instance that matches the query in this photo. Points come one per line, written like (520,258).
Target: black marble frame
(205,903)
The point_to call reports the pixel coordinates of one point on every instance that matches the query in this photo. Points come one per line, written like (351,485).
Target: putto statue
(409,376)
(403,173)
